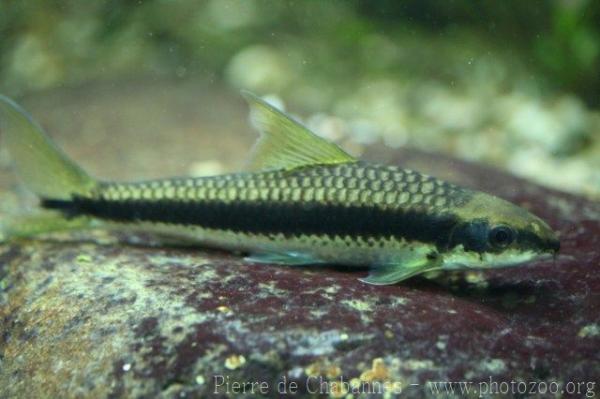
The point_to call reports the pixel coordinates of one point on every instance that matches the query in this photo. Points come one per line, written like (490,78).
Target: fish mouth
(552,248)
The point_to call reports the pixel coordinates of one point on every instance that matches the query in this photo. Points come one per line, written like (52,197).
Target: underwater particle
(127,367)
(234,362)
(200,380)
(344,337)
(378,371)
(388,334)
(224,309)
(591,330)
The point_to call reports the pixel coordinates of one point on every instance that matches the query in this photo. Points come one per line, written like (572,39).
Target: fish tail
(41,165)
(44,169)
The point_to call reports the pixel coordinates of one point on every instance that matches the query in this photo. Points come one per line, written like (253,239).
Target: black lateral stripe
(290,219)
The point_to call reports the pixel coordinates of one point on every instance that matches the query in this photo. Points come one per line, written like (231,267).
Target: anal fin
(283,258)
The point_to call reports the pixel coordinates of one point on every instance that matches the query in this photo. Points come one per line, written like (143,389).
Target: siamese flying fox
(304,201)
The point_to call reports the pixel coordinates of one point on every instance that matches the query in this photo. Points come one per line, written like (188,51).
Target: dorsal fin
(285,143)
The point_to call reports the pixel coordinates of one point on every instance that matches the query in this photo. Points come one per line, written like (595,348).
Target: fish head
(493,233)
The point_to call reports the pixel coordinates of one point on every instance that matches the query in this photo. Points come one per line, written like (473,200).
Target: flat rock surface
(113,314)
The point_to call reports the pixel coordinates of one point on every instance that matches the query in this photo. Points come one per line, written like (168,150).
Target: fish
(302,200)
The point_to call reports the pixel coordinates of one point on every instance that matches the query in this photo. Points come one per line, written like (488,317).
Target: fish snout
(549,239)
(538,236)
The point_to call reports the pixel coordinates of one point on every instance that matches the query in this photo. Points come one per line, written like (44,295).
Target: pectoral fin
(393,273)
(285,258)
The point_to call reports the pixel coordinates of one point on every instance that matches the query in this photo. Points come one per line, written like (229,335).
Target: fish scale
(358,184)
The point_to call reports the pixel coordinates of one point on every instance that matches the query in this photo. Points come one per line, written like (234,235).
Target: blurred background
(512,84)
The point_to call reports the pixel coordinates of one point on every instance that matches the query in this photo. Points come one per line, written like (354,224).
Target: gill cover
(38,161)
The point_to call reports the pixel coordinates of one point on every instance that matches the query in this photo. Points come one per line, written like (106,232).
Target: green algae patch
(359,305)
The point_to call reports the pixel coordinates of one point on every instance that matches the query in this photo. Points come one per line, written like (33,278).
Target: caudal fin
(42,166)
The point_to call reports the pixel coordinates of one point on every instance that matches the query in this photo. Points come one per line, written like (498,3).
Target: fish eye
(501,236)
